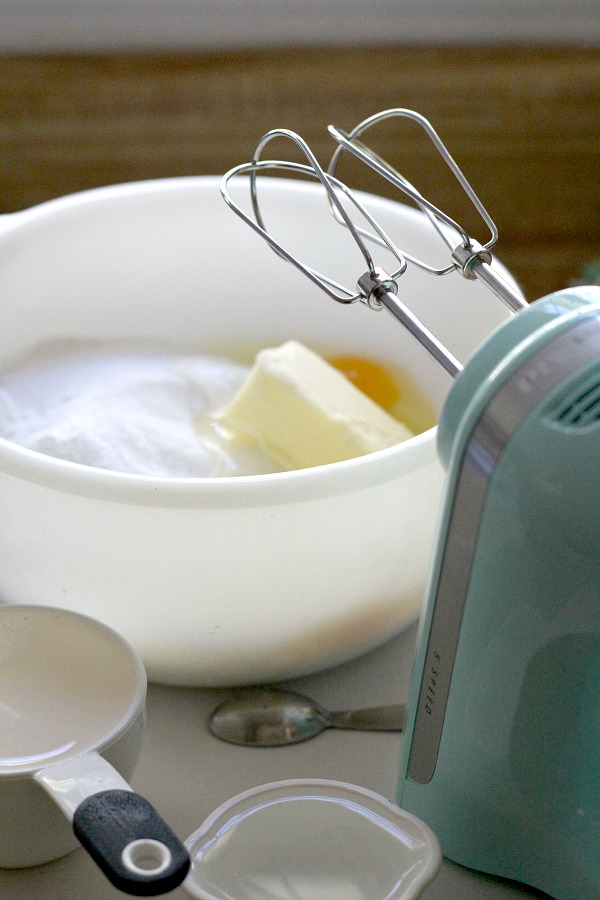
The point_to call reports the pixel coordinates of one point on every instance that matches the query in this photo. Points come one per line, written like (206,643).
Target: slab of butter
(304,412)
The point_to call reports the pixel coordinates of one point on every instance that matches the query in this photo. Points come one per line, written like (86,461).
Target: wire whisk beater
(376,286)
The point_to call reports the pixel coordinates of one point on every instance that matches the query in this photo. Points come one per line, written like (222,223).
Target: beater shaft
(380,292)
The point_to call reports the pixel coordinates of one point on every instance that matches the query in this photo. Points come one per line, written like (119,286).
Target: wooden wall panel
(523,123)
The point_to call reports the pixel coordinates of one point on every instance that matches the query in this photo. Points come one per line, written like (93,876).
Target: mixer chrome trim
(513,401)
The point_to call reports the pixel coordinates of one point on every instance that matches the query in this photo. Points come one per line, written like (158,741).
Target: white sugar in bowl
(226,580)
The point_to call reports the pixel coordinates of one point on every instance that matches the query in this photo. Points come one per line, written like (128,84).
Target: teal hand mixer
(501,751)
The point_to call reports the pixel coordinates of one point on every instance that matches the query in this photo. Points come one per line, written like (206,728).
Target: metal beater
(377,288)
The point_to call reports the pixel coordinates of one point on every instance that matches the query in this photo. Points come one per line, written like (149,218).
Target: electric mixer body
(500,754)
(502,737)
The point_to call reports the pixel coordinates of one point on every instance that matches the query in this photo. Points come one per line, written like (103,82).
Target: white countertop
(186,773)
(48,26)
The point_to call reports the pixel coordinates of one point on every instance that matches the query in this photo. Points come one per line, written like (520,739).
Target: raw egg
(371,377)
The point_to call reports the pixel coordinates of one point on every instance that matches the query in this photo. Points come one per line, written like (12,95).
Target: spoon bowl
(274,718)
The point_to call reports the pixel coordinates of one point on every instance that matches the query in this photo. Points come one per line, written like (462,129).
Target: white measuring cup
(72,700)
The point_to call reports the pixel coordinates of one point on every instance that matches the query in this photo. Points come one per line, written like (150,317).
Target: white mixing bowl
(228,580)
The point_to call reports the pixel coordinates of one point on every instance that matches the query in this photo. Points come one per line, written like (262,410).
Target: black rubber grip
(107,825)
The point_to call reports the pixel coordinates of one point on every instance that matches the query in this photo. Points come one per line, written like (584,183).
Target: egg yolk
(372,378)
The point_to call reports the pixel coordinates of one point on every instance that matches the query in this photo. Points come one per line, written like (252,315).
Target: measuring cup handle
(120,830)
(130,843)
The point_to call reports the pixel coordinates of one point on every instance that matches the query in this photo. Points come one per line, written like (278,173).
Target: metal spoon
(272,718)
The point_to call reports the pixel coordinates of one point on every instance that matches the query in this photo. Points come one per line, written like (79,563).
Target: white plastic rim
(380,851)
(146,857)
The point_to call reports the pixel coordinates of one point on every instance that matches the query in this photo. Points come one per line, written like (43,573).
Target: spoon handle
(378,718)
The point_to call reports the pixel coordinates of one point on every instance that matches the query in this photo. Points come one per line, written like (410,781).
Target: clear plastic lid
(311,840)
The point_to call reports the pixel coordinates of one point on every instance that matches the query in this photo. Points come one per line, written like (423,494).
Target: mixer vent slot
(580,406)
